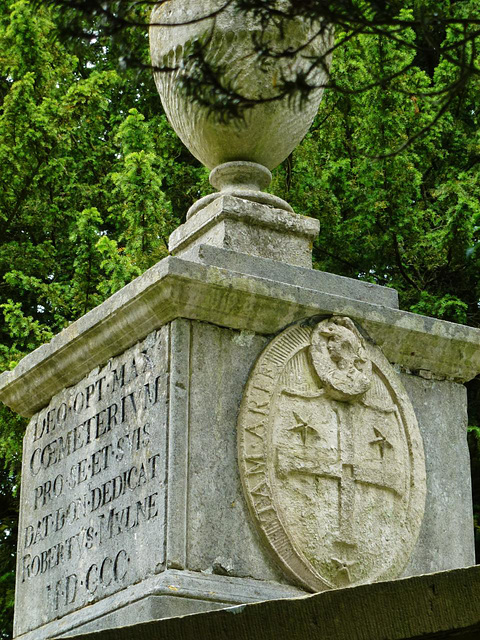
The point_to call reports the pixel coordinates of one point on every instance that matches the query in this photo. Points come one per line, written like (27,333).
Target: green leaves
(26,332)
(142,211)
(90,189)
(94,180)
(405,220)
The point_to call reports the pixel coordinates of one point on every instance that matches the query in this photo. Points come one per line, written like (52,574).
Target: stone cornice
(177,287)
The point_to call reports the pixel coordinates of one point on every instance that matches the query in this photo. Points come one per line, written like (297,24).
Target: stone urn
(240,151)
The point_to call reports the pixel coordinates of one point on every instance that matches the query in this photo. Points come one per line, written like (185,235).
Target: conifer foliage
(93,180)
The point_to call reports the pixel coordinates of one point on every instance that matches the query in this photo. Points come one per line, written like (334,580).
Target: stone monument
(234,426)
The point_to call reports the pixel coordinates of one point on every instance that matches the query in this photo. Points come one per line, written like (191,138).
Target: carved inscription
(93,487)
(331,457)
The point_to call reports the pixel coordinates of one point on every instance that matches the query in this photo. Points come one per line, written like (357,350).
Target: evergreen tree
(398,198)
(93,181)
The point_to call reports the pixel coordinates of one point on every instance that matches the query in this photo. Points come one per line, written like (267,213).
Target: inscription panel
(92,515)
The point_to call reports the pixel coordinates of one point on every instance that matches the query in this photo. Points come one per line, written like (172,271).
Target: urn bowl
(228,41)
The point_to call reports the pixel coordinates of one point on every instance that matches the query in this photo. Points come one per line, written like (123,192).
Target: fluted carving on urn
(270,129)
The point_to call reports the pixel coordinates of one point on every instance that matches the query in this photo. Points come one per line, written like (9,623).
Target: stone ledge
(438,606)
(176,288)
(307,278)
(175,585)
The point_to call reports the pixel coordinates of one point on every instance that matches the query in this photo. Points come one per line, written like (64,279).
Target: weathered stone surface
(146,610)
(240,150)
(331,457)
(181,288)
(270,130)
(441,606)
(220,535)
(92,518)
(215,369)
(244,180)
(446,540)
(208,530)
(305,278)
(169,593)
(232,223)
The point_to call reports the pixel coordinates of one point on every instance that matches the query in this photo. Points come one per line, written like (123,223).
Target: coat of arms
(331,457)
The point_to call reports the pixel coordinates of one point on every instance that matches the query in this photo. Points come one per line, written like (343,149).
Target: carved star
(382,442)
(302,427)
(343,566)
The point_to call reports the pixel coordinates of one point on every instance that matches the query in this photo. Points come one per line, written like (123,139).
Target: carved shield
(331,457)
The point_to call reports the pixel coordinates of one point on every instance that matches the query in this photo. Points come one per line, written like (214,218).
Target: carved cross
(343,567)
(347,468)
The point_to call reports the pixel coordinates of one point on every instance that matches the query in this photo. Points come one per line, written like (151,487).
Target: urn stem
(242,179)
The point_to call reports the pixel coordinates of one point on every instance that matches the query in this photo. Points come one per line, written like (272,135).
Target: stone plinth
(132,506)
(255,230)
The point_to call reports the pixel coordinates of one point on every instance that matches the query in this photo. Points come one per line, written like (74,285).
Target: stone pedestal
(132,507)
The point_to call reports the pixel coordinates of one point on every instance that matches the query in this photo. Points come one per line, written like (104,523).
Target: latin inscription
(93,487)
